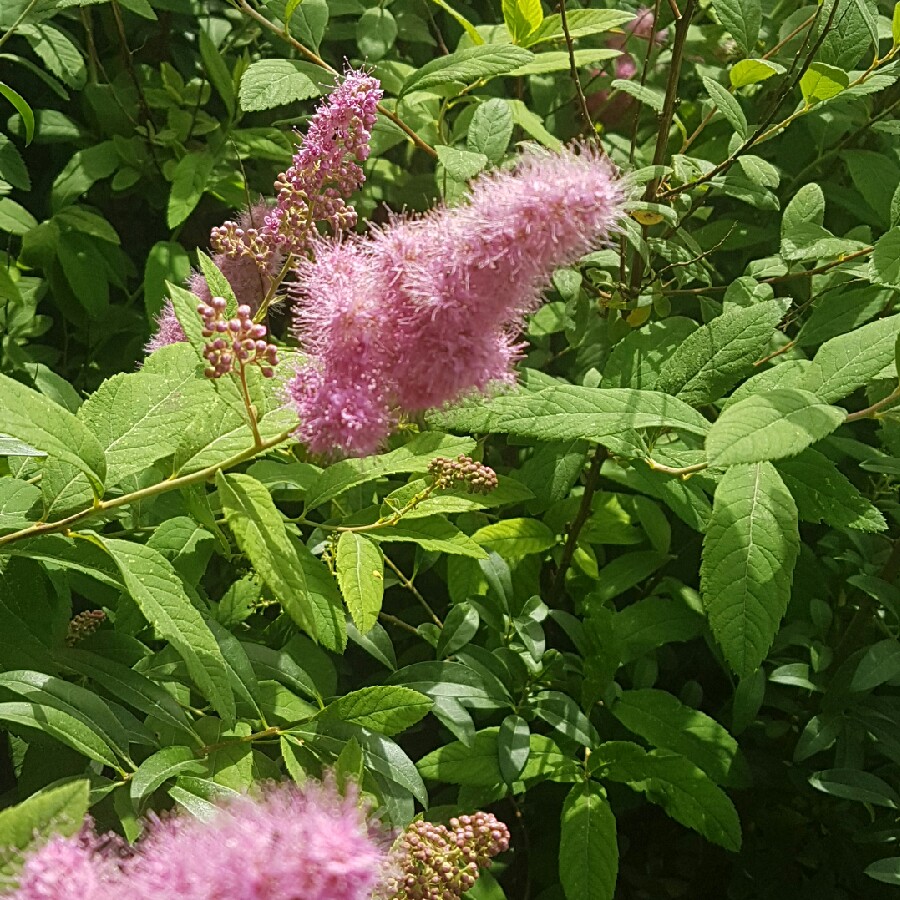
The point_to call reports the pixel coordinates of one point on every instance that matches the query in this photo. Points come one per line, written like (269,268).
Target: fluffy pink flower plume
(286,844)
(429,309)
(325,170)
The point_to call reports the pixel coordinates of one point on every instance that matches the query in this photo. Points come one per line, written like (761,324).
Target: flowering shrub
(492,406)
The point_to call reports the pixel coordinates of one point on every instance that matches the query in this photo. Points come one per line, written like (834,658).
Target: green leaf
(489,131)
(665,722)
(188,184)
(522,18)
(466,66)
(748,561)
(58,809)
(260,532)
(432,533)
(568,412)
(886,259)
(21,107)
(727,105)
(468,27)
(560,61)
(588,852)
(712,359)
(742,18)
(581,22)
(652,622)
(156,588)
(853,784)
(625,572)
(132,687)
(752,71)
(823,493)
(563,714)
(14,218)
(57,53)
(376,31)
(414,456)
(159,767)
(677,785)
(513,747)
(460,165)
(18,502)
(822,82)
(386,709)
(360,574)
(460,626)
(512,538)
(649,96)
(880,663)
(850,361)
(31,417)
(772,425)
(886,870)
(217,70)
(276,82)
(895,25)
(12,166)
(62,726)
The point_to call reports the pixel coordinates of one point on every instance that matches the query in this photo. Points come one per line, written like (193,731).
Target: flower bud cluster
(232,241)
(83,624)
(479,478)
(234,341)
(440,863)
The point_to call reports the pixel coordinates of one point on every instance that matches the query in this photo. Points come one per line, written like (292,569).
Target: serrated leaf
(853,784)
(752,71)
(560,61)
(57,809)
(649,96)
(712,359)
(772,425)
(18,502)
(376,31)
(823,493)
(38,421)
(522,18)
(562,713)
(386,709)
(432,533)
(57,52)
(188,185)
(822,82)
(512,538)
(588,852)
(489,131)
(682,789)
(880,663)
(460,165)
(747,568)
(665,722)
(850,361)
(460,626)
(467,66)
(513,747)
(886,258)
(159,767)
(581,23)
(570,412)
(275,82)
(742,18)
(160,595)
(260,532)
(360,574)
(727,105)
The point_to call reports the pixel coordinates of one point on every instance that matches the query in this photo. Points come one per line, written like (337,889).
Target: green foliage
(666,649)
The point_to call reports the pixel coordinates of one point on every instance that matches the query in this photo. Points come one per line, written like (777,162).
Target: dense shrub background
(665,651)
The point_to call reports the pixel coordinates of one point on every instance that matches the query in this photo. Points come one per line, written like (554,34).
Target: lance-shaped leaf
(748,561)
(260,532)
(33,418)
(360,574)
(156,588)
(588,852)
(772,425)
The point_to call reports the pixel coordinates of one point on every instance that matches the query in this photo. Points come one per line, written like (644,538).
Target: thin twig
(684,472)
(407,583)
(393,620)
(15,25)
(584,510)
(871,411)
(573,68)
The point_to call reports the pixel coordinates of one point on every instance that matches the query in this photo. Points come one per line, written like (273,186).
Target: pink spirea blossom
(324,171)
(429,309)
(67,868)
(285,844)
